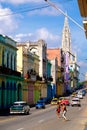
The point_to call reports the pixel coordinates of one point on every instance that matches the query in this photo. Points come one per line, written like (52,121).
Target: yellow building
(28,65)
(60,85)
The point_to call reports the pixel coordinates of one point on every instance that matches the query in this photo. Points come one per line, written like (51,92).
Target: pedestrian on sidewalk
(64,110)
(58,110)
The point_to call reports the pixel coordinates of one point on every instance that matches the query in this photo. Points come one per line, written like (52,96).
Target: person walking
(58,109)
(64,110)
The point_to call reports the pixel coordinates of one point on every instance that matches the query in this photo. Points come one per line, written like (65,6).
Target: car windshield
(61,98)
(16,104)
(39,101)
(54,100)
(75,100)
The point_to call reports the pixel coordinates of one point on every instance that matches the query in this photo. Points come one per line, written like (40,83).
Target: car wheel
(43,107)
(26,112)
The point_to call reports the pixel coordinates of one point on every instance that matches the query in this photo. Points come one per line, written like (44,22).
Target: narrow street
(46,119)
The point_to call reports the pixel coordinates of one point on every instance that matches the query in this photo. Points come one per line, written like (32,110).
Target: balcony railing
(7,71)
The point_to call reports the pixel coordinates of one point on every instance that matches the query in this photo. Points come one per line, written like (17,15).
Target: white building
(40,48)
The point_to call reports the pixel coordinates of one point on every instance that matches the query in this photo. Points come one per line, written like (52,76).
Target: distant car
(74,94)
(44,99)
(40,104)
(83,92)
(75,102)
(20,107)
(80,96)
(54,101)
(60,99)
(65,101)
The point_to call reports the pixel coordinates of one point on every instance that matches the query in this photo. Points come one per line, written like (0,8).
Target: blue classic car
(40,104)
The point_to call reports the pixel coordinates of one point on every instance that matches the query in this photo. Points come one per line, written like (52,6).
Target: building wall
(10,78)
(31,60)
(8,56)
(39,47)
(20,59)
(54,71)
(54,53)
(36,63)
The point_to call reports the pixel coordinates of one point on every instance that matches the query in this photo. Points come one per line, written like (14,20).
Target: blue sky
(24,21)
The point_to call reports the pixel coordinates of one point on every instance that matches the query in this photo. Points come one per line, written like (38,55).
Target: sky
(31,20)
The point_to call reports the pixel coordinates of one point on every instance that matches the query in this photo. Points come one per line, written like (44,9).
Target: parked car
(20,107)
(83,92)
(61,98)
(74,94)
(65,101)
(40,104)
(75,102)
(80,96)
(44,99)
(54,101)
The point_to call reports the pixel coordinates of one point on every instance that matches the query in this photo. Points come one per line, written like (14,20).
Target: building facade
(56,57)
(10,78)
(33,66)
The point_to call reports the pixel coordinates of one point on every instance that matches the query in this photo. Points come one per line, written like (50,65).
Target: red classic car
(65,101)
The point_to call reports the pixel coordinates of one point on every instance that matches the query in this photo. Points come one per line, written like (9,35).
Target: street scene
(43,65)
(47,119)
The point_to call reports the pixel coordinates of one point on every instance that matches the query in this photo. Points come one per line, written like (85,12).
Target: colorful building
(50,92)
(56,57)
(10,78)
(29,65)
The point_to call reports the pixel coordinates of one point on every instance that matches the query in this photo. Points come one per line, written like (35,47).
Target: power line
(53,5)
(26,10)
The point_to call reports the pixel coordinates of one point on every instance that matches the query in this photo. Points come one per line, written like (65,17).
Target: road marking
(20,129)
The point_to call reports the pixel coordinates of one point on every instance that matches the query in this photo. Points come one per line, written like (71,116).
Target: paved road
(47,119)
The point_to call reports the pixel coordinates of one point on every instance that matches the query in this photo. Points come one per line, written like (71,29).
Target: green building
(10,78)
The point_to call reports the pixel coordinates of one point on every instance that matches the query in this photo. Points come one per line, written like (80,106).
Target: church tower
(66,38)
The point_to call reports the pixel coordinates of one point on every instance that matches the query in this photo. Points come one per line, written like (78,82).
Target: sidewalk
(84,119)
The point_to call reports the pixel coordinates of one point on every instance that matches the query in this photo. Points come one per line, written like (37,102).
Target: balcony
(60,79)
(50,78)
(7,71)
(62,69)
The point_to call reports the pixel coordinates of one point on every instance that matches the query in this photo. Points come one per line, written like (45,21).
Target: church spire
(66,38)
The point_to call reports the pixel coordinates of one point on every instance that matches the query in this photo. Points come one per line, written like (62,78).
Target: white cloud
(22,1)
(23,37)
(45,34)
(8,23)
(42,33)
(45,11)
